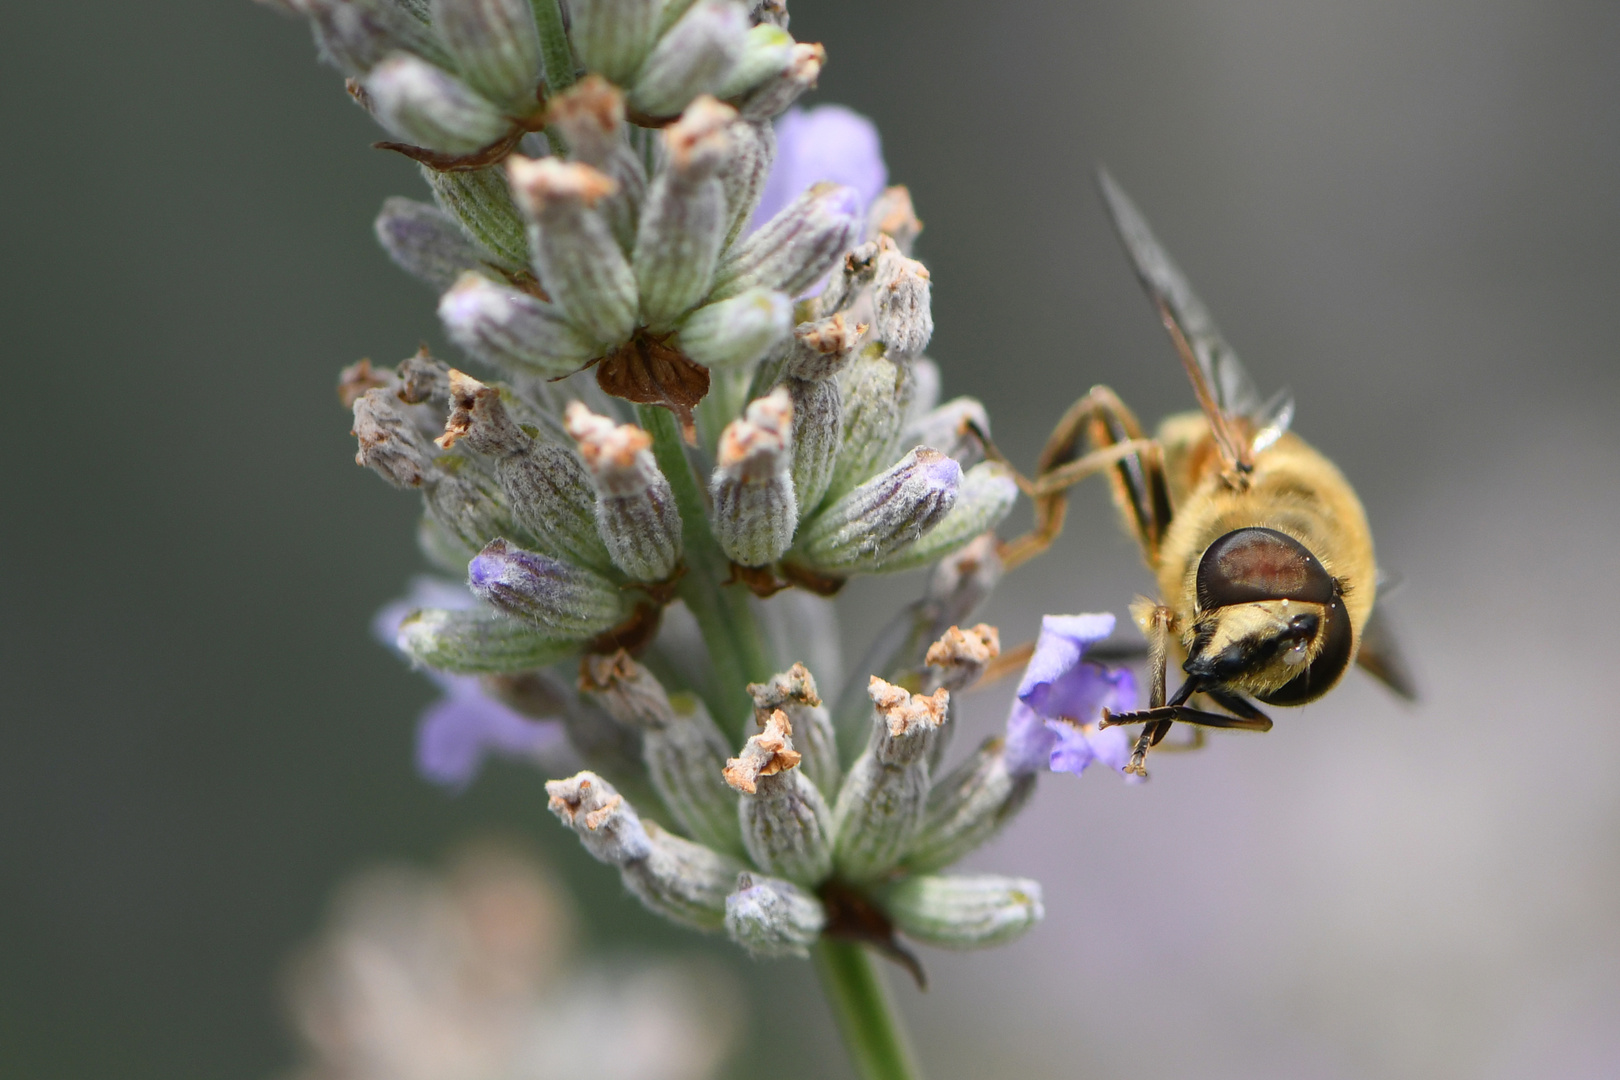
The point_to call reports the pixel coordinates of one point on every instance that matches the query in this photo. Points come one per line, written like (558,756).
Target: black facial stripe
(1325,670)
(1252,564)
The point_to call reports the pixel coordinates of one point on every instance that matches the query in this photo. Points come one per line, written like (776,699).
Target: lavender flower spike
(1053,721)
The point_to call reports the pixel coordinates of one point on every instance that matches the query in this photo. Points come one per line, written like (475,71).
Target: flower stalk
(866,1016)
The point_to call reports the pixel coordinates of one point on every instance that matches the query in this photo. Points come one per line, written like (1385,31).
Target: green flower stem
(736,644)
(866,1017)
(555,51)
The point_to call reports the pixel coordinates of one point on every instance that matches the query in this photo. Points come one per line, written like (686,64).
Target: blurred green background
(1409,214)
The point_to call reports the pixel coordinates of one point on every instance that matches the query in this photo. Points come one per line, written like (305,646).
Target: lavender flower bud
(636,514)
(968,807)
(613,36)
(546,486)
(425,242)
(736,332)
(901,318)
(609,827)
(694,57)
(785,821)
(959,657)
(818,428)
(683,749)
(824,348)
(754,510)
(496,48)
(797,247)
(684,218)
(876,394)
(767,52)
(466,504)
(986,496)
(390,444)
(591,117)
(782,89)
(354,35)
(964,912)
(770,917)
(877,521)
(847,285)
(682,881)
(479,642)
(753,149)
(882,800)
(567,600)
(794,693)
(511,329)
(949,429)
(578,261)
(481,203)
(892,215)
(428,106)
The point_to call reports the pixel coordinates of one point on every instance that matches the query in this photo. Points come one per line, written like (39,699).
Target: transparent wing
(1230,390)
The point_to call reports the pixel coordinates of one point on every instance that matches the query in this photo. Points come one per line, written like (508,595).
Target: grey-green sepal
(682,747)
(466,503)
(354,35)
(683,881)
(786,825)
(429,107)
(891,214)
(876,394)
(481,203)
(480,642)
(736,332)
(390,443)
(818,429)
(797,247)
(823,349)
(563,599)
(696,56)
(546,486)
(425,242)
(794,693)
(510,329)
(684,218)
(636,514)
(753,152)
(902,318)
(881,803)
(579,263)
(752,488)
(968,912)
(613,37)
(496,48)
(880,520)
(781,89)
(987,495)
(771,918)
(606,824)
(767,52)
(591,118)
(851,280)
(967,807)
(953,428)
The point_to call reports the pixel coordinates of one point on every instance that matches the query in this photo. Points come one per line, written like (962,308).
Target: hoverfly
(1260,548)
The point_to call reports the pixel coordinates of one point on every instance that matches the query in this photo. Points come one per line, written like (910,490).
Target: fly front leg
(1118,447)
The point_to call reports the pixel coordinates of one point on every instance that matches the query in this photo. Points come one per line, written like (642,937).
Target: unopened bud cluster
(779,836)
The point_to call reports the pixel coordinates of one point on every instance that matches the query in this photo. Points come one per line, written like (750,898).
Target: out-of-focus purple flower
(457,732)
(828,142)
(1053,723)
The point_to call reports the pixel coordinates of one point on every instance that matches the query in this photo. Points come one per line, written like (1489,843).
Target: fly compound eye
(1253,564)
(1332,659)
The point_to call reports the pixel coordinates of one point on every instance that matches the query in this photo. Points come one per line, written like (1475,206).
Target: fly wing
(1380,655)
(1225,391)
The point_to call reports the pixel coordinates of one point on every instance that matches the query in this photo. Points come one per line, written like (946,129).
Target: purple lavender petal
(460,730)
(1055,683)
(1029,742)
(829,142)
(1078,747)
